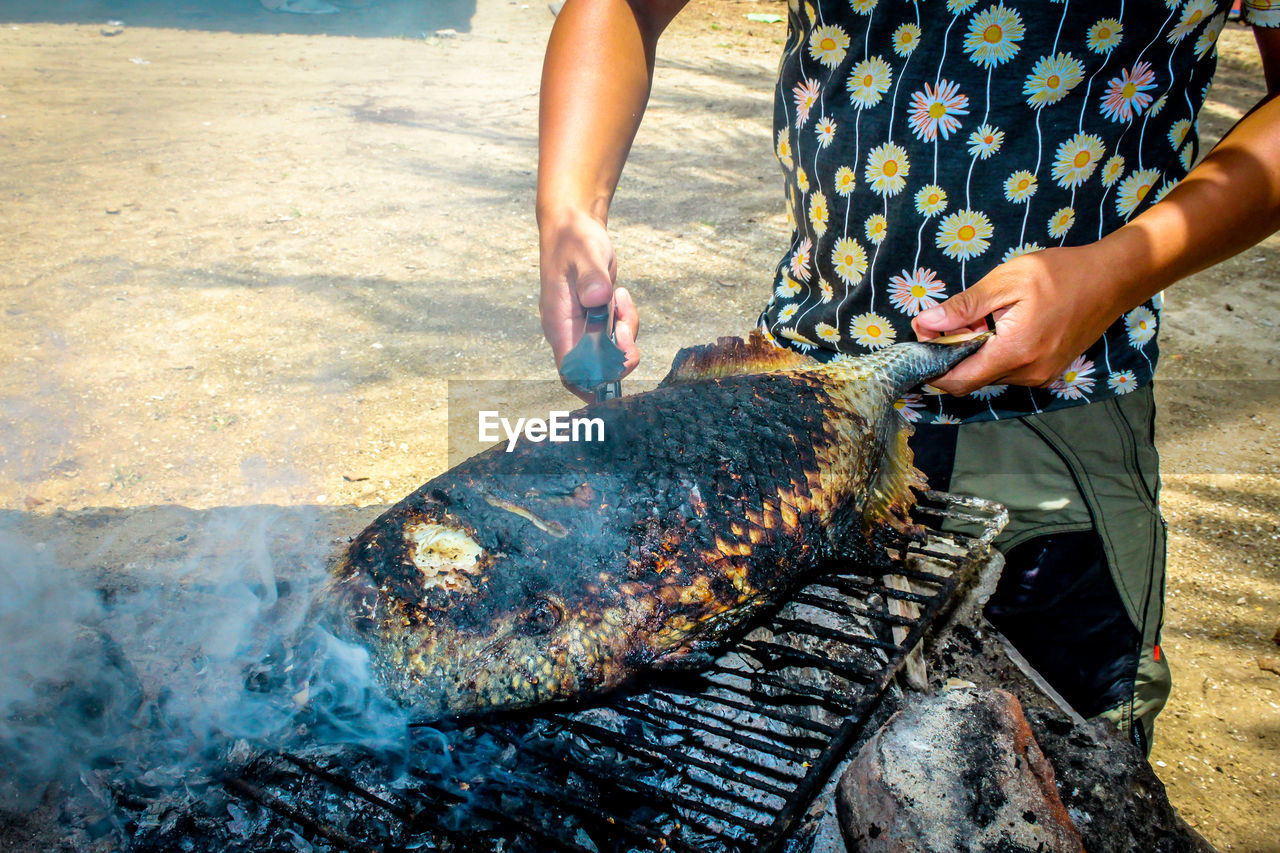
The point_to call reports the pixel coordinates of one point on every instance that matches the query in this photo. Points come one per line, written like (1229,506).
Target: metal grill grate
(729,758)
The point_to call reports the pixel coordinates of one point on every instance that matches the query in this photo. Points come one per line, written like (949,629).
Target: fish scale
(563,569)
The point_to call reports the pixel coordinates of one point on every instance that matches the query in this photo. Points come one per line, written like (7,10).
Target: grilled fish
(562,569)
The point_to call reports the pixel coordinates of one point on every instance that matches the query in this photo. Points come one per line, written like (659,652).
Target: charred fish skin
(559,570)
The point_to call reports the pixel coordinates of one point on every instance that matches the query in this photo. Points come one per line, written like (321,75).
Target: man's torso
(924,143)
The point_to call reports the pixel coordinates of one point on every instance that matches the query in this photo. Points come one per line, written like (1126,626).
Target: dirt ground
(244,253)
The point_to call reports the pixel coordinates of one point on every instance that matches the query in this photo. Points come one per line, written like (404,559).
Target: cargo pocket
(1107,455)
(1110,449)
(1007,462)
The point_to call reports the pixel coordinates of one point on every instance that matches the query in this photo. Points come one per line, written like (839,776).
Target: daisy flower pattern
(784,150)
(906,39)
(1076,159)
(850,260)
(915,291)
(1020,186)
(1134,189)
(934,110)
(800,260)
(1122,381)
(798,340)
(876,227)
(1140,325)
(931,200)
(1051,78)
(1020,250)
(922,144)
(1061,221)
(1263,13)
(805,95)
(987,392)
(909,406)
(985,141)
(1126,96)
(868,82)
(1105,35)
(944,418)
(825,130)
(828,45)
(872,331)
(1193,15)
(1208,39)
(887,169)
(846,180)
(1112,170)
(964,235)
(993,35)
(1075,382)
(818,213)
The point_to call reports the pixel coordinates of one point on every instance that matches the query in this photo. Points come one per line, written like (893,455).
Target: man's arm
(1052,305)
(595,84)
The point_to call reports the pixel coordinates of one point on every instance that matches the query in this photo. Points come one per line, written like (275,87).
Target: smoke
(155,680)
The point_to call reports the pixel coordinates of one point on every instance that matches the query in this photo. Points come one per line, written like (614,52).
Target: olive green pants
(1082,593)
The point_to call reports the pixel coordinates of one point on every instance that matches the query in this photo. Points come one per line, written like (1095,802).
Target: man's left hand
(1049,307)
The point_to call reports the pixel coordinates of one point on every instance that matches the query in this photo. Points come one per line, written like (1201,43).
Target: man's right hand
(579,270)
(595,84)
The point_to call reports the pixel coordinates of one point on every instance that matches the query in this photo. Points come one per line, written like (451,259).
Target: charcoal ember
(958,771)
(1110,790)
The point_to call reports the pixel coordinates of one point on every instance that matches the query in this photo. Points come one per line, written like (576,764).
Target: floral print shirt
(924,142)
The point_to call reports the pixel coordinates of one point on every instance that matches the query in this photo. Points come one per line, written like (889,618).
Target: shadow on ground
(363,18)
(138,546)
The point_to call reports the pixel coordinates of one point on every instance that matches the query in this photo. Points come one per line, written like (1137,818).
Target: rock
(1269,664)
(960,771)
(1113,796)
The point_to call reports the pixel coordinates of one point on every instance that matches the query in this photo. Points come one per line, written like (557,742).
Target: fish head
(460,621)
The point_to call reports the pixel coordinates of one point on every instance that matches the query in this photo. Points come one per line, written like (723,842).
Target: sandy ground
(244,254)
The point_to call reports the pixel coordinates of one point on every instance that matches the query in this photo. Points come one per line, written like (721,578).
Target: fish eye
(540,619)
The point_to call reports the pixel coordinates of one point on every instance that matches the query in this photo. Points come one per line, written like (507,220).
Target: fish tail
(904,366)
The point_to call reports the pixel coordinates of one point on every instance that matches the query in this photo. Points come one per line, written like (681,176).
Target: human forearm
(1229,202)
(1051,305)
(595,84)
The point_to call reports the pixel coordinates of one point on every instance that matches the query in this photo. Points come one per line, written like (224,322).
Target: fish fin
(891,497)
(731,357)
(688,659)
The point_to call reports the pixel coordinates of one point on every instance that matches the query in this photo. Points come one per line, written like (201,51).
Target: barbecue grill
(735,757)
